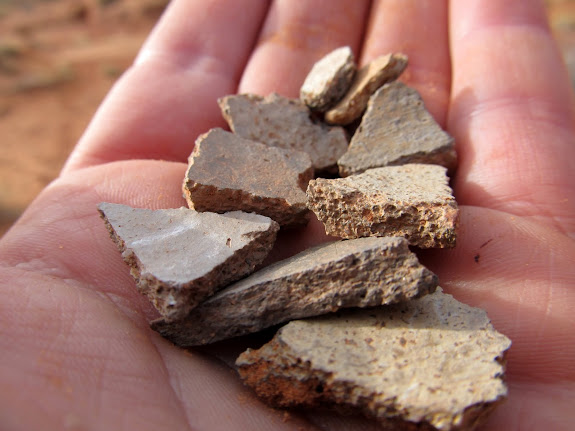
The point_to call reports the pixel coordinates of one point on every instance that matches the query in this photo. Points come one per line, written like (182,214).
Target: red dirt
(58,59)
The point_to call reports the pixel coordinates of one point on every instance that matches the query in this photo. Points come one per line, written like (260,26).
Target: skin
(77,352)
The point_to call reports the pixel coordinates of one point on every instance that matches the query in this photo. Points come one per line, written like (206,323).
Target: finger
(296,35)
(417,28)
(521,273)
(512,112)
(159,107)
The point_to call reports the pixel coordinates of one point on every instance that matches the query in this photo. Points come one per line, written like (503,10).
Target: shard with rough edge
(179,257)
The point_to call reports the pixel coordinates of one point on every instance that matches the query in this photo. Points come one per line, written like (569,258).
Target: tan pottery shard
(285,123)
(179,257)
(431,363)
(355,273)
(413,201)
(328,79)
(397,129)
(367,80)
(228,173)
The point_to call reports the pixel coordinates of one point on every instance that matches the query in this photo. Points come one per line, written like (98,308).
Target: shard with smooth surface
(329,79)
(397,129)
(227,173)
(431,363)
(367,80)
(179,257)
(413,201)
(285,123)
(355,273)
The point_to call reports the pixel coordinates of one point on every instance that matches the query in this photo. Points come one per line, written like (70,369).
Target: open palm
(76,351)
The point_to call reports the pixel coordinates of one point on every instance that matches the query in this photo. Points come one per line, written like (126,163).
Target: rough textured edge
(164,296)
(415,221)
(198,196)
(425,281)
(444,156)
(311,388)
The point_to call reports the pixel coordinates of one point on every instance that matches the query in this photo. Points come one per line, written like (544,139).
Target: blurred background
(59,58)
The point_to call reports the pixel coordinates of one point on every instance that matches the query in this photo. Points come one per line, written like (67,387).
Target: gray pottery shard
(367,80)
(356,273)
(285,123)
(228,173)
(329,79)
(413,201)
(427,364)
(179,257)
(397,129)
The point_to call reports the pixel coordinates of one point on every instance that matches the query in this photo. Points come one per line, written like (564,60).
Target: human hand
(77,351)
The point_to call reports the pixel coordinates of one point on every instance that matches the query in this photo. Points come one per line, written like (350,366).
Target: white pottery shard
(179,257)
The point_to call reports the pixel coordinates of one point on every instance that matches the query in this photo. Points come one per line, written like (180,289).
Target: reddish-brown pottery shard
(329,79)
(367,80)
(179,257)
(397,129)
(413,201)
(428,364)
(357,273)
(228,173)
(285,123)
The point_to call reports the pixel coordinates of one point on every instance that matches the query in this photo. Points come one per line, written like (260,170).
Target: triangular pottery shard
(431,363)
(397,129)
(413,201)
(367,80)
(179,257)
(329,79)
(285,123)
(228,173)
(355,273)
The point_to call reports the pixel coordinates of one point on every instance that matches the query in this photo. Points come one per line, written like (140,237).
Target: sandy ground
(58,59)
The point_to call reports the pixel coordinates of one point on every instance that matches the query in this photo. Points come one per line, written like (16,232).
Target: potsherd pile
(363,329)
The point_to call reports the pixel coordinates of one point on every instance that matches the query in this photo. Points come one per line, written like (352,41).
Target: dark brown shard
(329,79)
(368,79)
(427,364)
(285,123)
(228,173)
(413,201)
(397,129)
(356,273)
(179,257)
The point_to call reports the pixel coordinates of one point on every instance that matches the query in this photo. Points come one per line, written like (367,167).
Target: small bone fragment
(431,363)
(329,79)
(413,201)
(397,129)
(355,273)
(367,80)
(179,257)
(228,173)
(285,123)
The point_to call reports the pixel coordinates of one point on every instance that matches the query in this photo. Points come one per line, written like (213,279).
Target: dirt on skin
(59,58)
